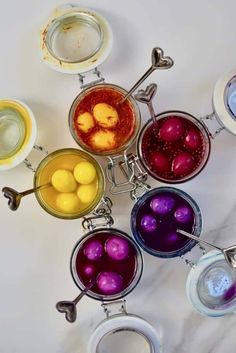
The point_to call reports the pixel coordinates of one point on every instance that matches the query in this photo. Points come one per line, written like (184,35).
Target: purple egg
(117,248)
(149,223)
(183,214)
(162,204)
(89,270)
(109,282)
(172,238)
(93,250)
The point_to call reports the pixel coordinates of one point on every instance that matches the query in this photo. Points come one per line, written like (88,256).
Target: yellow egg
(67,202)
(87,193)
(103,140)
(63,181)
(105,115)
(84,172)
(85,122)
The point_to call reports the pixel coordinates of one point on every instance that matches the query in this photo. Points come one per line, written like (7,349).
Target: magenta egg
(89,270)
(93,250)
(183,214)
(109,282)
(160,162)
(172,129)
(148,223)
(192,139)
(162,204)
(172,238)
(183,163)
(117,248)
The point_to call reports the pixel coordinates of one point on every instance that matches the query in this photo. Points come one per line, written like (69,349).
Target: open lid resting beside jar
(224,101)
(17,132)
(211,285)
(75,40)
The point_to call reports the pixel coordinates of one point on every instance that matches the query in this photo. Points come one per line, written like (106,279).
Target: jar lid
(17,132)
(124,333)
(224,101)
(75,40)
(209,285)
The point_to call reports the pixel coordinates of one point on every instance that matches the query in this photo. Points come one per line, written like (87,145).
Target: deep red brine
(173,148)
(111,258)
(102,137)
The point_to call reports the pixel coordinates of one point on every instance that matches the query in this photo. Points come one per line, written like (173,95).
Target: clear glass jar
(104,233)
(59,159)
(145,222)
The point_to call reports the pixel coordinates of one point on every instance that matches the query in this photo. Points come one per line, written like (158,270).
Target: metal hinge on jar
(211,117)
(101,216)
(119,306)
(87,79)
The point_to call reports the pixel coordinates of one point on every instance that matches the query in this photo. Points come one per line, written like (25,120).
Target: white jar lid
(224,101)
(124,333)
(17,132)
(75,40)
(208,285)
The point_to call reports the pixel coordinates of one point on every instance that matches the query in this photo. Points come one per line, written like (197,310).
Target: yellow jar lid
(17,132)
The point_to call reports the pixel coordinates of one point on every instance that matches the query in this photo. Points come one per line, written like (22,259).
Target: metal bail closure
(101,216)
(28,163)
(75,40)
(123,332)
(124,183)
(224,101)
(211,285)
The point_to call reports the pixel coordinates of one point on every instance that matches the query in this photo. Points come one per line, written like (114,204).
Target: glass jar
(157,215)
(101,253)
(17,132)
(176,147)
(211,285)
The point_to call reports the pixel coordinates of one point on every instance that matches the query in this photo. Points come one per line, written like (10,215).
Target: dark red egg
(160,162)
(192,139)
(172,129)
(183,163)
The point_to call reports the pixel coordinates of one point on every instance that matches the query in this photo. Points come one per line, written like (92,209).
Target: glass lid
(17,132)
(124,333)
(224,101)
(75,40)
(211,285)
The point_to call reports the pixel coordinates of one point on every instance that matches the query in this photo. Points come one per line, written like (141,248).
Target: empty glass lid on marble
(124,333)
(75,40)
(211,285)
(17,132)
(158,214)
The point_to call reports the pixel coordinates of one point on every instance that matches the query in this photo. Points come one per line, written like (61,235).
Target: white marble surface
(35,247)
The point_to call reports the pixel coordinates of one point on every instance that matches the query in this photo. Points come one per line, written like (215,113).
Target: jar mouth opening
(216,286)
(74,37)
(136,275)
(135,110)
(199,126)
(196,229)
(43,176)
(12,132)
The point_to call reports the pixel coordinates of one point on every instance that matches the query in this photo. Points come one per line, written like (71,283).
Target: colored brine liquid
(111,258)
(159,217)
(74,183)
(101,123)
(173,149)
